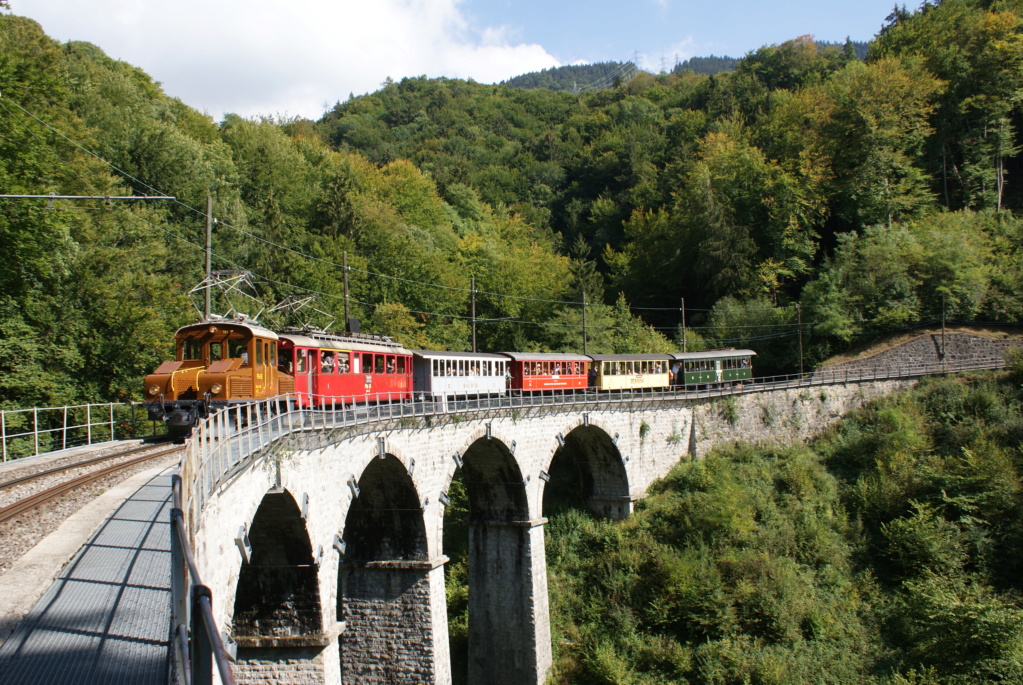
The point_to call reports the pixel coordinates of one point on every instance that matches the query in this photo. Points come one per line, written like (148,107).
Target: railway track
(38,498)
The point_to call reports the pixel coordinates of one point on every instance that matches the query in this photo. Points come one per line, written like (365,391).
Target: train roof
(341,343)
(712,354)
(546,357)
(646,357)
(448,354)
(245,324)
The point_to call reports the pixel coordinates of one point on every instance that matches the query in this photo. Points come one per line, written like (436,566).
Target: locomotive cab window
(237,349)
(191,349)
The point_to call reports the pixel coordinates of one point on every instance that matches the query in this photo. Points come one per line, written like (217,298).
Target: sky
(298,58)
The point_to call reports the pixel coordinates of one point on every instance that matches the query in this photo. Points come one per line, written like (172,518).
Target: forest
(805,191)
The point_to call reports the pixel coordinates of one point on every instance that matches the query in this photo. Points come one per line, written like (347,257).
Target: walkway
(106,618)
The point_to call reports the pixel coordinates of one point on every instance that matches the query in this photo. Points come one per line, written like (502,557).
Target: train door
(317,378)
(260,371)
(717,371)
(303,373)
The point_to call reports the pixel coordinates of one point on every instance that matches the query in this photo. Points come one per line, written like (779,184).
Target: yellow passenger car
(631,371)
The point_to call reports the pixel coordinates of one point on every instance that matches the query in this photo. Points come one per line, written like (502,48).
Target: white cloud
(666,59)
(255,57)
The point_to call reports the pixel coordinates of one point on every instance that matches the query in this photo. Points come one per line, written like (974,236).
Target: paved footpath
(106,617)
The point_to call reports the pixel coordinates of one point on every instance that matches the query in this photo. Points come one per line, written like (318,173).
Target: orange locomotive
(218,362)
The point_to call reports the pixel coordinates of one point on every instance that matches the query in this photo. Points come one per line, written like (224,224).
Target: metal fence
(31,432)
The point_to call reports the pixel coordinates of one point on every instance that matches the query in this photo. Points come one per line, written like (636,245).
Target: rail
(31,432)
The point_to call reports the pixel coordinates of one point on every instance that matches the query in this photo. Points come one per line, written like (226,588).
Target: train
(223,362)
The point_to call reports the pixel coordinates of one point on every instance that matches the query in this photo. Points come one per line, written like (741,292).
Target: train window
(391,366)
(259,353)
(273,353)
(191,349)
(216,351)
(367,363)
(326,362)
(401,365)
(378,363)
(300,361)
(236,349)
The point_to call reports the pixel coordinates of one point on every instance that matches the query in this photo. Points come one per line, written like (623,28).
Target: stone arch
(587,469)
(390,593)
(385,521)
(509,625)
(493,483)
(277,601)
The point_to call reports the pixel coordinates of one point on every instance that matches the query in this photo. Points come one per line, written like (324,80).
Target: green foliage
(875,555)
(802,175)
(574,78)
(729,410)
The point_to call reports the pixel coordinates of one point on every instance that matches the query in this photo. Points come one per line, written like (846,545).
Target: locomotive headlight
(216,388)
(154,389)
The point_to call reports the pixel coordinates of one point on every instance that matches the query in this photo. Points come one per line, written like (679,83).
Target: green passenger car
(712,367)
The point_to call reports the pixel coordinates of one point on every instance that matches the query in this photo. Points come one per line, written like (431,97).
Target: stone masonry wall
(295,667)
(388,637)
(959,348)
(781,416)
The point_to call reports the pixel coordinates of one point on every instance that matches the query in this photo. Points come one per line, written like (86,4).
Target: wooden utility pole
(209,254)
(799,315)
(683,325)
(943,326)
(584,322)
(344,269)
(472,293)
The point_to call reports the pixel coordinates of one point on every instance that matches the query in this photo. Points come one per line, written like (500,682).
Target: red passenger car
(335,369)
(547,371)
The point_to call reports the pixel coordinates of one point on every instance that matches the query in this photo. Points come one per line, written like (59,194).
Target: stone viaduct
(324,550)
(323,542)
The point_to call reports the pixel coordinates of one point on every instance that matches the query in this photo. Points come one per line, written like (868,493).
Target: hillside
(885,552)
(576,78)
(806,191)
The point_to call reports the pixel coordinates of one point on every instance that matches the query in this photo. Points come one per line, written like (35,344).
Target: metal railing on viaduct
(227,441)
